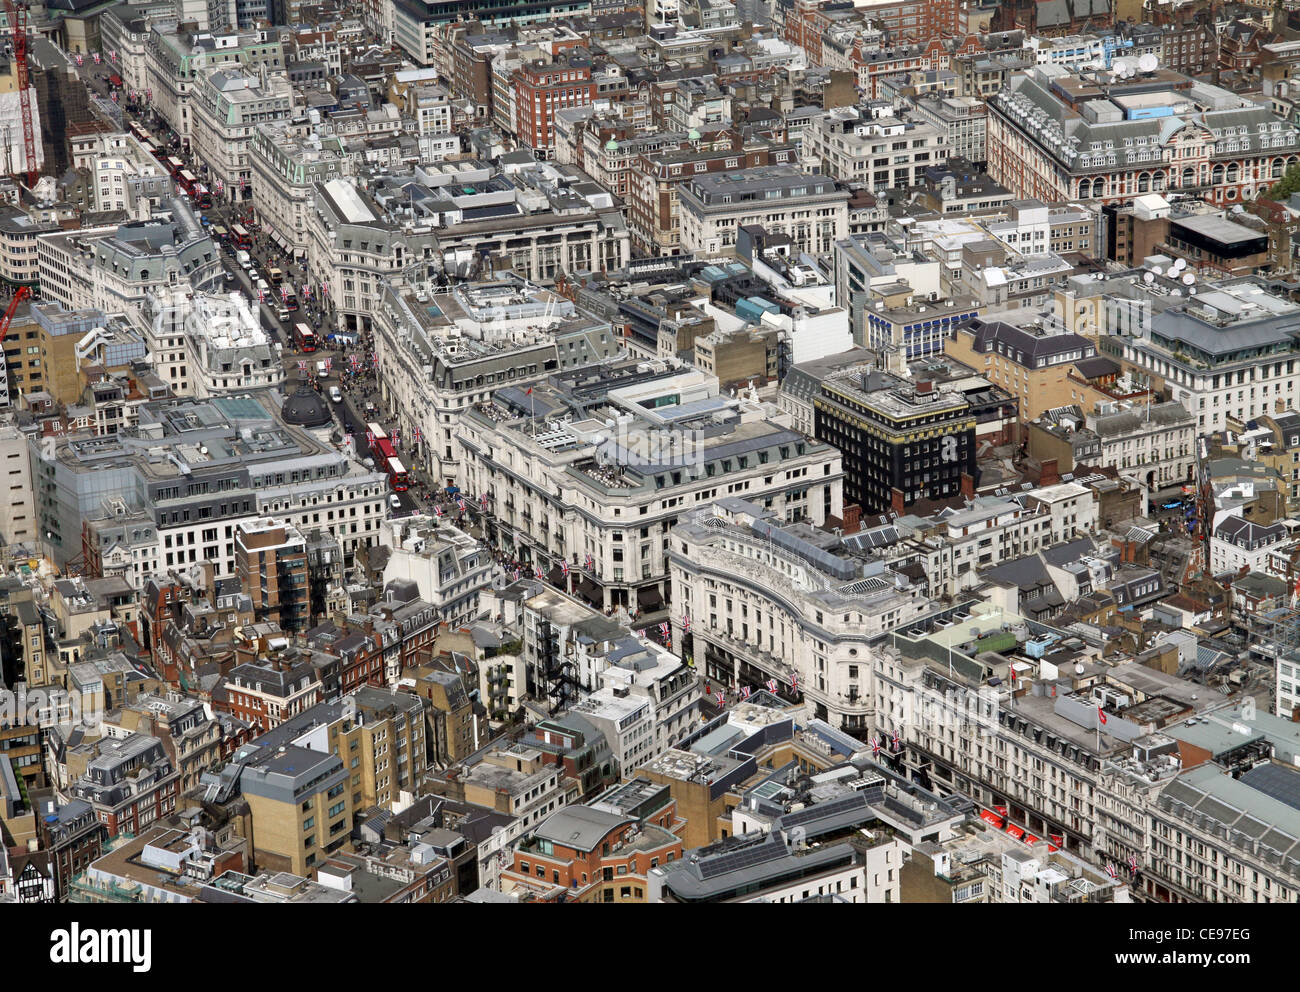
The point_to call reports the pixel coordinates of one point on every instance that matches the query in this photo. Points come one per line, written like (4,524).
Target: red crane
(18,24)
(22,293)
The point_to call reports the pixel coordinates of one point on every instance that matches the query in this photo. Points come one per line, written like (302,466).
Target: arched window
(1276,169)
(1216,175)
(1233,173)
(1144,182)
(1189,176)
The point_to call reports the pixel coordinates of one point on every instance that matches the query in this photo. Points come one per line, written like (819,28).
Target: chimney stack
(896,500)
(968,485)
(1049,475)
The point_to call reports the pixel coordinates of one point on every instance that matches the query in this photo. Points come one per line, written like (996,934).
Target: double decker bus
(291,301)
(240,237)
(386,458)
(304,338)
(174,166)
(194,189)
(140,134)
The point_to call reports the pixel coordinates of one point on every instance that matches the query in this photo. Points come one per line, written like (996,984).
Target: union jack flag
(354,361)
(306,292)
(539,572)
(370,437)
(875,747)
(437,511)
(564,568)
(666,630)
(591,563)
(771,685)
(1110,870)
(261,297)
(1133,864)
(148,94)
(221,187)
(113,55)
(722,699)
(460,500)
(415,437)
(516,575)
(895,741)
(744,691)
(284,292)
(302,366)
(686,625)
(95,56)
(325,288)
(397,436)
(794,682)
(347,438)
(329,364)
(483,500)
(115,98)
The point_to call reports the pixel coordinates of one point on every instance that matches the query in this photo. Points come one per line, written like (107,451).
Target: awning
(1030,839)
(993,818)
(453,490)
(590,588)
(1015,831)
(649,597)
(556,573)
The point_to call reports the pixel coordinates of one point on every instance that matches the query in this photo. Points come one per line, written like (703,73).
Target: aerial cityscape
(680,451)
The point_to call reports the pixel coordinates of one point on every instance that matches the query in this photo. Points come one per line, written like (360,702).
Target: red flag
(1101,715)
(528,391)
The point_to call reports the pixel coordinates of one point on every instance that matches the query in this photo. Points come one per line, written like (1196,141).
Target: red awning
(1030,839)
(992,817)
(1051,848)
(1015,831)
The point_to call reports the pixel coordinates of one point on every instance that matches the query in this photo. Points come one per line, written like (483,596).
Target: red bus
(202,197)
(386,458)
(304,338)
(240,237)
(174,166)
(291,301)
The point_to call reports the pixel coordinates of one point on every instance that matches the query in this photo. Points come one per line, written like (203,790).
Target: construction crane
(18,24)
(19,295)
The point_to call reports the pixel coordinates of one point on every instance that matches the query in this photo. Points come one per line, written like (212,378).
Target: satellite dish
(1178,292)
(1079,669)
(1179,265)
(1157,270)
(1149,277)
(1148,63)
(1188,279)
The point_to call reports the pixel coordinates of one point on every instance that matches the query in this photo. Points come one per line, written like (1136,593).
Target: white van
(336,394)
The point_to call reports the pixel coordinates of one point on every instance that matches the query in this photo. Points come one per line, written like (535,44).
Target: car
(230,276)
(281,314)
(336,394)
(394,501)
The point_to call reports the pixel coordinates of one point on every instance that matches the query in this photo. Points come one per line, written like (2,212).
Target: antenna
(1148,63)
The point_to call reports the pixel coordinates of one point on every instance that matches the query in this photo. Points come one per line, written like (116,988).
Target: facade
(764,600)
(1057,136)
(875,150)
(113,269)
(812,210)
(555,497)
(227,108)
(902,441)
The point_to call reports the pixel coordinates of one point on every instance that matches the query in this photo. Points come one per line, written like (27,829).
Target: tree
(1288,184)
